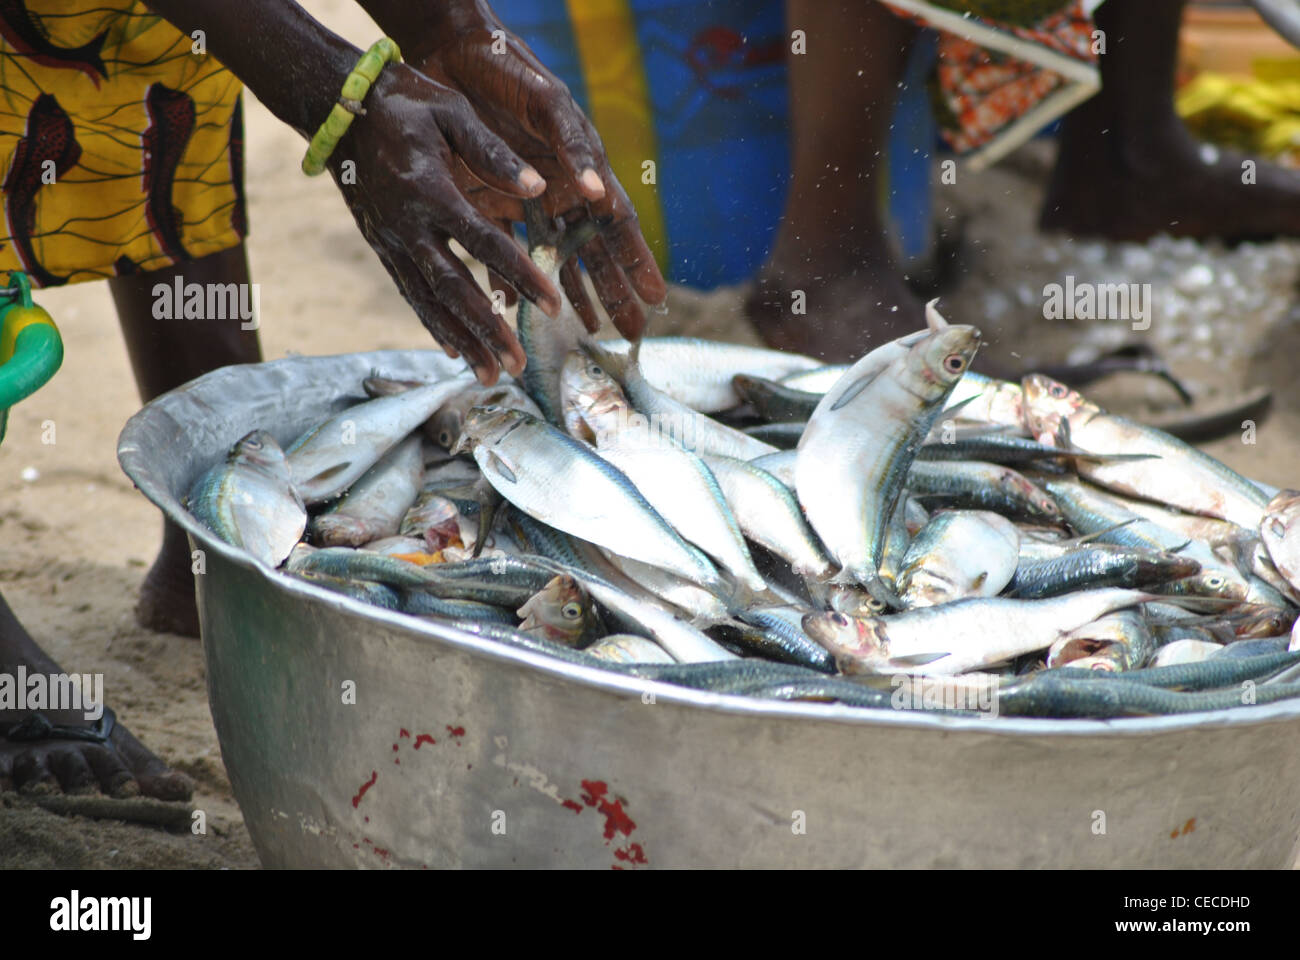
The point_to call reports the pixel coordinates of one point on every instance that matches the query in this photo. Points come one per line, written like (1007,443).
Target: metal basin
(456,751)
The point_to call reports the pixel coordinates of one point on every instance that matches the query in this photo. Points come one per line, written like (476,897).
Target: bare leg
(164,355)
(1128,169)
(832,243)
(121,767)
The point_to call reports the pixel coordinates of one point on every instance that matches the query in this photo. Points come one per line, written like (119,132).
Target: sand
(78,538)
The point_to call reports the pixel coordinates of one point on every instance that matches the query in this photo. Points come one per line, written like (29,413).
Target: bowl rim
(134,461)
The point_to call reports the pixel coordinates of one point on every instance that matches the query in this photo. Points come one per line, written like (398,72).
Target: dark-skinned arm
(401,159)
(532,110)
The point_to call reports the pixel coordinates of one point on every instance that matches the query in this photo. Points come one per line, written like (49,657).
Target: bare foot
(166,602)
(1171,184)
(120,766)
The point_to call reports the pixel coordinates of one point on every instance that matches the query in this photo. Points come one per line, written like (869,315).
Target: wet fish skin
(775,402)
(1184,651)
(959,553)
(249,501)
(373,507)
(565,484)
(1221,671)
(1099,565)
(671,419)
(1119,641)
(701,606)
(699,372)
(778,632)
(1183,476)
(628,648)
(1112,695)
(854,456)
(333,455)
(974,485)
(970,634)
(423,603)
(348,564)
(769,514)
(547,341)
(783,436)
(1280,530)
(375,594)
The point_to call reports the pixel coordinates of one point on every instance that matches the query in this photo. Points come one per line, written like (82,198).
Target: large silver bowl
(539,763)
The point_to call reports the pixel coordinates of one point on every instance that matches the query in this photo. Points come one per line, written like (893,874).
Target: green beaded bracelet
(355,88)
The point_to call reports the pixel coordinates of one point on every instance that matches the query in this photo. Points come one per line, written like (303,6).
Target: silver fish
(959,553)
(374,506)
(769,514)
(628,648)
(1182,476)
(1280,531)
(698,372)
(676,482)
(967,634)
(249,501)
(671,419)
(565,484)
(559,612)
(855,453)
(330,457)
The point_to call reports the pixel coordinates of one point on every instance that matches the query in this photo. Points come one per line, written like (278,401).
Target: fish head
(593,403)
(1264,621)
(377,385)
(259,449)
(1048,402)
(859,644)
(444,427)
(853,600)
(944,355)
(1211,583)
(557,612)
(485,424)
(1281,517)
(1042,504)
(436,520)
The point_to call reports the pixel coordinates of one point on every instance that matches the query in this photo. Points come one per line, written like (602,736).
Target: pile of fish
(752,522)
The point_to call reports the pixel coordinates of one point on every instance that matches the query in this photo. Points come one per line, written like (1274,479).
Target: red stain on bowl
(423,738)
(616,818)
(374,775)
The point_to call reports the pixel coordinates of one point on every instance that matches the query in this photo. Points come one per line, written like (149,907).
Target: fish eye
(954,363)
(594,371)
(444,437)
(571,611)
(1214,582)
(1057,390)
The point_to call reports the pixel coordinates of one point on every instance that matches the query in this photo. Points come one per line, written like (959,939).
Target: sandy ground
(77,538)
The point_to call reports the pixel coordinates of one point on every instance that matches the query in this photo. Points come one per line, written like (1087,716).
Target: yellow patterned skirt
(121,142)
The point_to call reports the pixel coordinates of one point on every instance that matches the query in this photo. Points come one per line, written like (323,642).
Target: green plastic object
(31,349)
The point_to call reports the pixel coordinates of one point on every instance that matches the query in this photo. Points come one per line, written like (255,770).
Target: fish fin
(499,464)
(918,659)
(884,593)
(1090,537)
(855,388)
(950,410)
(933,319)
